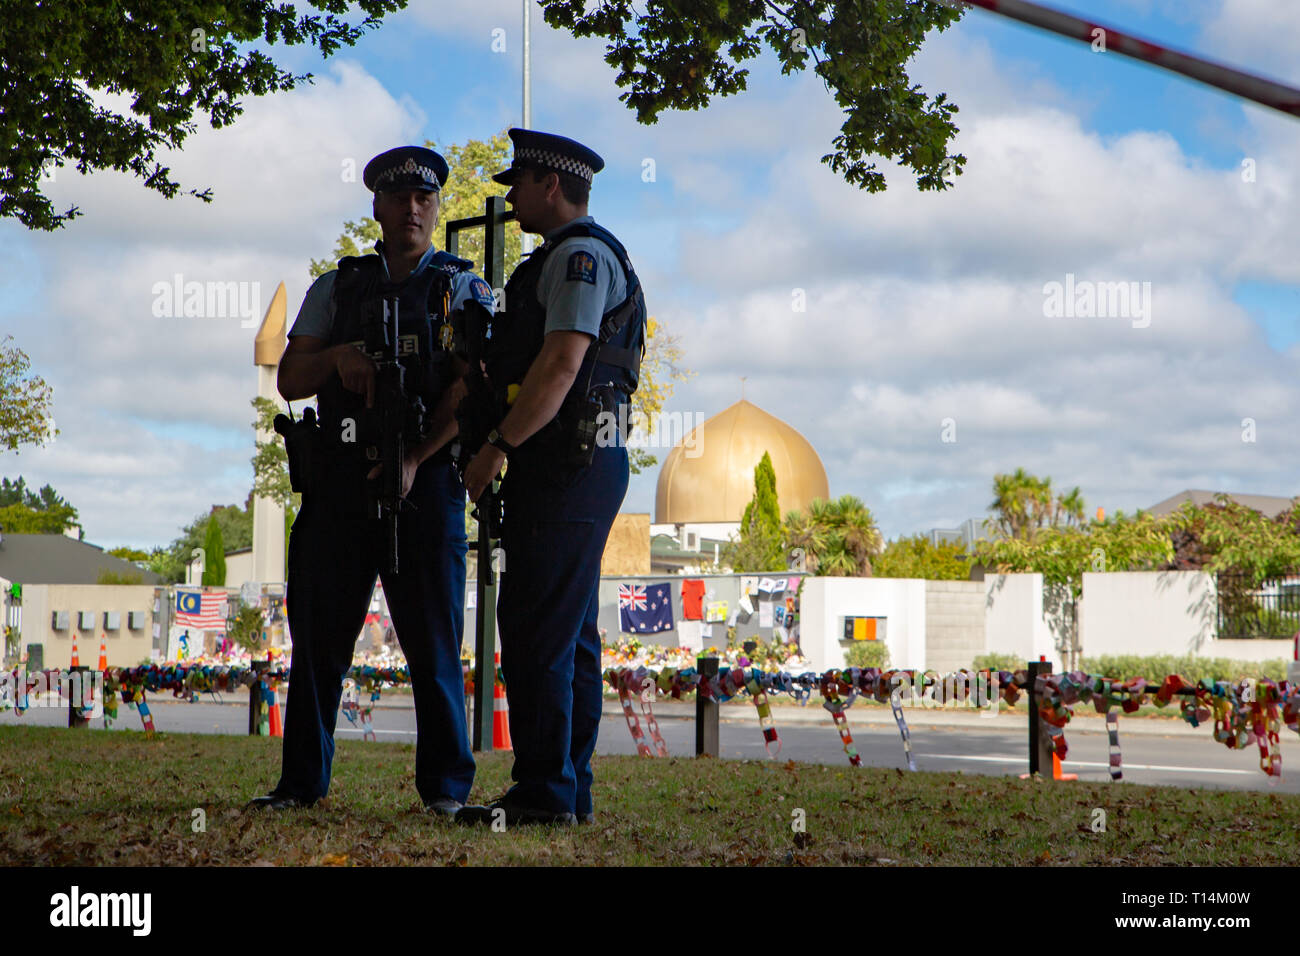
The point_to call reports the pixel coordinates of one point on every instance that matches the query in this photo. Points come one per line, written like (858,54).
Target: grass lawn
(96,798)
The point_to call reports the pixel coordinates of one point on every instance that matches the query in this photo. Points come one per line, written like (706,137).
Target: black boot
(514,815)
(277,801)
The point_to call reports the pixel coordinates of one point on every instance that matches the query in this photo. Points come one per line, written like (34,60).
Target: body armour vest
(612,363)
(423,299)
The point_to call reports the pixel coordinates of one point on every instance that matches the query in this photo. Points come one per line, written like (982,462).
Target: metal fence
(1269,610)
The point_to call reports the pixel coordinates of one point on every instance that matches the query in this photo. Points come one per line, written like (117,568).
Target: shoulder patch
(481,292)
(582,268)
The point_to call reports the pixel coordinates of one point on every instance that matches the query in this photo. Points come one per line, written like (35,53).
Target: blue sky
(921,307)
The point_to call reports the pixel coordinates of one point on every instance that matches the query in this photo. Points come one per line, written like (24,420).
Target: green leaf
(26,413)
(679,55)
(175,62)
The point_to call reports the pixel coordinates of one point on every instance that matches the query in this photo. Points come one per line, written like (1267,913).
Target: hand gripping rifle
(395,416)
(479,412)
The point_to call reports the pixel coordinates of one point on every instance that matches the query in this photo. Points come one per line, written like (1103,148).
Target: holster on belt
(302,446)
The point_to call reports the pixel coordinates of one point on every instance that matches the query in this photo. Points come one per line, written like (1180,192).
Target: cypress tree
(759,547)
(214,556)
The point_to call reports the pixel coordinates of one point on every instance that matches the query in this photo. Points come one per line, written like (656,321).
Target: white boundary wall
(1148,612)
(827,601)
(1014,621)
(1160,612)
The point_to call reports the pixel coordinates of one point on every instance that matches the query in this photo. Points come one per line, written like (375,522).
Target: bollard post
(77,680)
(706,711)
(255,696)
(1040,749)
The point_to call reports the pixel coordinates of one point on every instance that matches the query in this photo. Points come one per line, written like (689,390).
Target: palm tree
(1072,507)
(1023,503)
(838,538)
(855,524)
(805,536)
(1009,505)
(836,561)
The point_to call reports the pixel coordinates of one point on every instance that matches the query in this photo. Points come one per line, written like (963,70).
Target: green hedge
(999,662)
(1154,667)
(1157,667)
(867,654)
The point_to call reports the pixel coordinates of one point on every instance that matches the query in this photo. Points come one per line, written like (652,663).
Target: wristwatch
(496,441)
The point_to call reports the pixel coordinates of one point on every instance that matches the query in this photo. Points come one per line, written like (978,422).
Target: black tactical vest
(515,339)
(359,290)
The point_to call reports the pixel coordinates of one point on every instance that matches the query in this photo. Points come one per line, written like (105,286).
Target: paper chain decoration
(1245,712)
(187,682)
(646,690)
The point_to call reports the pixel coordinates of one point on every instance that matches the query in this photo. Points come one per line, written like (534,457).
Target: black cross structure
(493,222)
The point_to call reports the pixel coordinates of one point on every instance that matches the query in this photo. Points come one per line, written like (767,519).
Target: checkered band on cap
(554,160)
(408,168)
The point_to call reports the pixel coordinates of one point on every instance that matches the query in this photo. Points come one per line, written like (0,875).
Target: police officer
(565,354)
(337,549)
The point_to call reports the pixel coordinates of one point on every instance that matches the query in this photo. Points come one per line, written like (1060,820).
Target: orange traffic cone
(103,654)
(500,715)
(1056,770)
(277,721)
(76,660)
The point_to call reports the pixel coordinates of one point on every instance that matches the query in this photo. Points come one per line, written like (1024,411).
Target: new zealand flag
(644,609)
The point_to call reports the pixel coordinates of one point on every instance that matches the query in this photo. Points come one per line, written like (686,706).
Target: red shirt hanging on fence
(693,599)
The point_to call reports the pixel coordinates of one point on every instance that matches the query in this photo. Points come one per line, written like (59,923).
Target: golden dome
(709,475)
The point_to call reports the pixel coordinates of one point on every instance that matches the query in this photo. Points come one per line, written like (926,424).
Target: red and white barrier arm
(1269,93)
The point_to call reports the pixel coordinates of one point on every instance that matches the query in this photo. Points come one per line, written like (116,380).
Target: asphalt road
(992,747)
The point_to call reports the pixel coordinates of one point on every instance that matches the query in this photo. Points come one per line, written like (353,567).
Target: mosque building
(708,478)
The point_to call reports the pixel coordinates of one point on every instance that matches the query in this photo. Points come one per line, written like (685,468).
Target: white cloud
(467,20)
(919,307)
(278,174)
(154,411)
(927,307)
(1257,36)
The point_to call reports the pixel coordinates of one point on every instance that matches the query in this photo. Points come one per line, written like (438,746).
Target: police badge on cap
(406,167)
(546,151)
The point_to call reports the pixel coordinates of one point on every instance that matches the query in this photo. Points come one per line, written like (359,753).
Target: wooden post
(1040,744)
(78,679)
(706,711)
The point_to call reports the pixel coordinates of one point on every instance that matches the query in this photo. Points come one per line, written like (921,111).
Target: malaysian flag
(202,610)
(644,609)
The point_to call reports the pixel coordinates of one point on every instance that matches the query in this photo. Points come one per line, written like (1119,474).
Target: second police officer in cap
(337,547)
(562,360)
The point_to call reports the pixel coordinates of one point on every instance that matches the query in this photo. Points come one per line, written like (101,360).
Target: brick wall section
(954,624)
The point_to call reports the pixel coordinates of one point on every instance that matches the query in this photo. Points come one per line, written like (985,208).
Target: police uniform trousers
(553,536)
(335,554)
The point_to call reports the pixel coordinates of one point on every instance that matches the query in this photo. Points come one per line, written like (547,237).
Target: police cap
(406,167)
(548,152)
